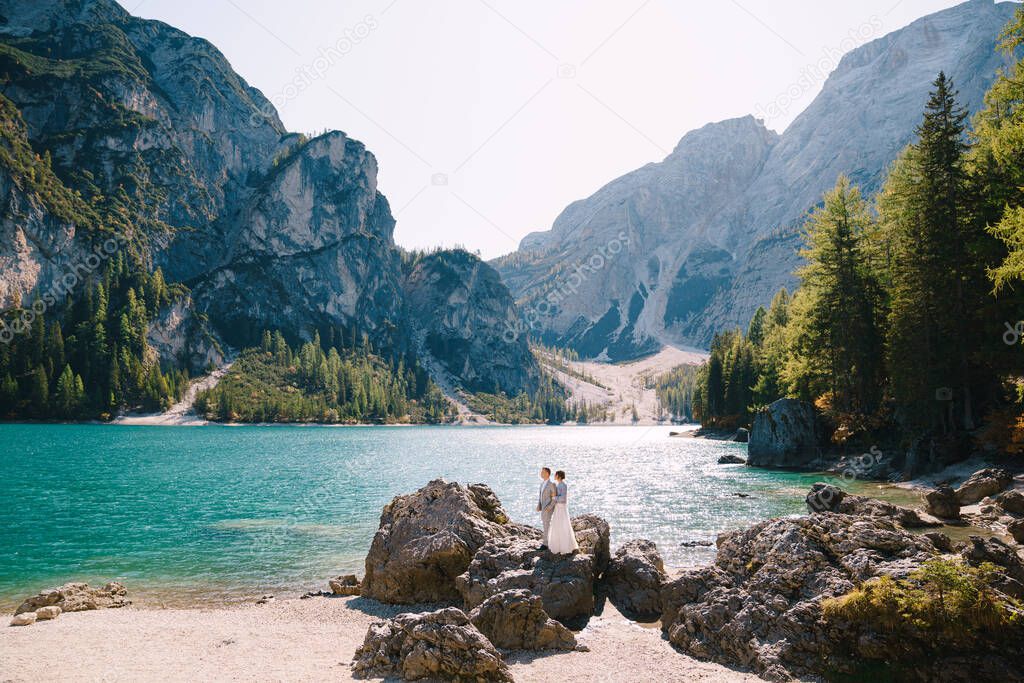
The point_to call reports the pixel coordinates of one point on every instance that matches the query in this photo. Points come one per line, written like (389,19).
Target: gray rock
(828,498)
(1016,530)
(713,228)
(516,620)
(759,605)
(565,583)
(594,538)
(347,584)
(742,435)
(1010,580)
(942,502)
(785,434)
(634,579)
(426,539)
(982,484)
(730,459)
(1012,502)
(78,597)
(441,645)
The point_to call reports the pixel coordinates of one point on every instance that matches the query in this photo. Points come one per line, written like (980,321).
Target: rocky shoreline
(471,593)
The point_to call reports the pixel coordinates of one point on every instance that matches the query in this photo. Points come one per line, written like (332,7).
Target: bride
(562,539)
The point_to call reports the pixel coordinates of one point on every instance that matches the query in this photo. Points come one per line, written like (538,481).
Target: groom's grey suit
(546,505)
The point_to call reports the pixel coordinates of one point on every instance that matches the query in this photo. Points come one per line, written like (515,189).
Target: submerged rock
(429,537)
(983,483)
(78,597)
(785,434)
(516,620)
(634,580)
(730,459)
(438,645)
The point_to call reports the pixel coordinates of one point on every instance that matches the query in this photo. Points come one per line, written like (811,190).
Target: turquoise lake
(186,515)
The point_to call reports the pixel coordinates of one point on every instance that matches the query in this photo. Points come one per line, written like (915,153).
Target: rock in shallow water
(828,498)
(983,483)
(516,620)
(785,434)
(942,502)
(440,645)
(78,597)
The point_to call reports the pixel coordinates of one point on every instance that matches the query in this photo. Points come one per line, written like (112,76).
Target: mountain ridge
(691,260)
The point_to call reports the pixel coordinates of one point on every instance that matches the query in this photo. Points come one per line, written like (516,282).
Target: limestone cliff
(713,229)
(144,133)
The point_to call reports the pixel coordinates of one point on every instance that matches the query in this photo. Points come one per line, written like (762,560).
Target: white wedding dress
(562,539)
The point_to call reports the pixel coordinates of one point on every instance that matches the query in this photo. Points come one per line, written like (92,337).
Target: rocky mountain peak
(713,229)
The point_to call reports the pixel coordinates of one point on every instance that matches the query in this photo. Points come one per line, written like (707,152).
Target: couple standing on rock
(552,505)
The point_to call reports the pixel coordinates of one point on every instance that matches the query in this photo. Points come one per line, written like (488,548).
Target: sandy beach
(300,640)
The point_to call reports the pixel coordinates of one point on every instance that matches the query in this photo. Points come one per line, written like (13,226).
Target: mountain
(711,232)
(119,128)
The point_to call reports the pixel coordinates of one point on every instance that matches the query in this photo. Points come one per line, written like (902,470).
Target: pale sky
(488,117)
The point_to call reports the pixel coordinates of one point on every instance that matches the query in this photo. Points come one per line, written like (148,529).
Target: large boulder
(429,537)
(634,580)
(1016,529)
(594,538)
(1012,502)
(78,597)
(785,434)
(978,551)
(759,605)
(828,498)
(983,483)
(437,645)
(565,583)
(942,502)
(516,620)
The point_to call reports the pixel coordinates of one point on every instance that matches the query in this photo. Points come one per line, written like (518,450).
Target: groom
(546,502)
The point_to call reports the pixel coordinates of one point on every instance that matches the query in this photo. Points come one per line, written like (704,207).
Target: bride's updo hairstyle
(560,475)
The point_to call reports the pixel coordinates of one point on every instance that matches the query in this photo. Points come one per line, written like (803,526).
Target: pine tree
(936,281)
(836,337)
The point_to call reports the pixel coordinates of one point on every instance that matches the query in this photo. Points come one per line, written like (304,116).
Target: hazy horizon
(488,118)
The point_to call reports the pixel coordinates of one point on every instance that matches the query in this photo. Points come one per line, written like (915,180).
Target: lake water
(185,515)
